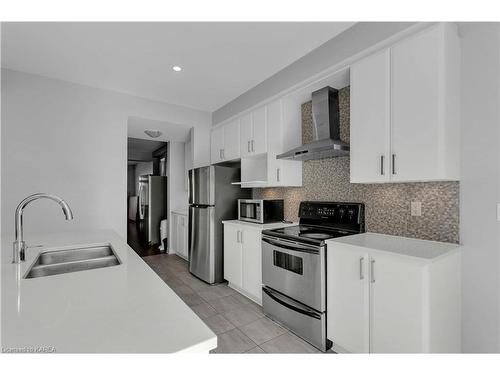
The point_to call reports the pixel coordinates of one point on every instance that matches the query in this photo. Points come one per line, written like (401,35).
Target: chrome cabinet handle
(372,270)
(248,146)
(220,153)
(253,149)
(382,165)
(393,163)
(241,236)
(361,273)
(223,154)
(237,236)
(278,174)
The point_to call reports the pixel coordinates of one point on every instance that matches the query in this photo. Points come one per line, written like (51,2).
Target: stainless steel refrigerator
(152,206)
(212,198)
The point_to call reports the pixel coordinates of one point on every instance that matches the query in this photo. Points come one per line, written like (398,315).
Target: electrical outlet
(416,208)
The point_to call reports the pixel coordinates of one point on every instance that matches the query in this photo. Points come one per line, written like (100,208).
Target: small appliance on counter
(261,211)
(294,266)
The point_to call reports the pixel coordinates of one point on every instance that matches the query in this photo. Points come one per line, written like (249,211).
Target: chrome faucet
(19,247)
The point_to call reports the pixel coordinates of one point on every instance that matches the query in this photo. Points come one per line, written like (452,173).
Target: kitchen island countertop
(125,308)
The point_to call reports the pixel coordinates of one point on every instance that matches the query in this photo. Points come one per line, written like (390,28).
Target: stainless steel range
(294,266)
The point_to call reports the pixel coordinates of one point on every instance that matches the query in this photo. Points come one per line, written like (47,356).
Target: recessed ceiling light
(176,68)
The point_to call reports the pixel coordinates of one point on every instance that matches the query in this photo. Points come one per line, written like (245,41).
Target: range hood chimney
(326,129)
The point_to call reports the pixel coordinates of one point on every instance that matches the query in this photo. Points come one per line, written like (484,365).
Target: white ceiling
(220,61)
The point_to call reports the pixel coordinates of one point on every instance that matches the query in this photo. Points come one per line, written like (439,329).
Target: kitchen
(327,213)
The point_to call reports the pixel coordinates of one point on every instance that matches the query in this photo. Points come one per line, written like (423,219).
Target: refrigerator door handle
(191,186)
(141,206)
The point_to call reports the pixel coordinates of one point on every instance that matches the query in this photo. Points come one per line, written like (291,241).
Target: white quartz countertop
(410,247)
(125,308)
(259,226)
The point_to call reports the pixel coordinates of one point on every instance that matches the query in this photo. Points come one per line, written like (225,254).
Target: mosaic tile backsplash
(387,205)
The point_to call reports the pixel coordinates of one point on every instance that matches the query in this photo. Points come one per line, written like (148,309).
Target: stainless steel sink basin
(73,260)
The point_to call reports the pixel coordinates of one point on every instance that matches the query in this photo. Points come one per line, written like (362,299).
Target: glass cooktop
(308,233)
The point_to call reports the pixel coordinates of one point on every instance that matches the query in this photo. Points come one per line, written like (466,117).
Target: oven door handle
(290,304)
(292,246)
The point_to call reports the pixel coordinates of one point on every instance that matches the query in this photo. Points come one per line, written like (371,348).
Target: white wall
(479,187)
(71,140)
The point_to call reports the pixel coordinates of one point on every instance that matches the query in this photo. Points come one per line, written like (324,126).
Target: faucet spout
(19,247)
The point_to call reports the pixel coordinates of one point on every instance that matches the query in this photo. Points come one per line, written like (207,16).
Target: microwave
(260,210)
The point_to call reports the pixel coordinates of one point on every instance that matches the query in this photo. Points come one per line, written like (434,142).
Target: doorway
(147,196)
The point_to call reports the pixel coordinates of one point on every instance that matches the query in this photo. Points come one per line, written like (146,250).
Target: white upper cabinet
(246,134)
(257,137)
(253,140)
(259,127)
(279,172)
(404,110)
(225,142)
(231,149)
(370,115)
(216,145)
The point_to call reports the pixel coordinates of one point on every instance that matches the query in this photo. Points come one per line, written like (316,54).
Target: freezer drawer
(298,318)
(202,257)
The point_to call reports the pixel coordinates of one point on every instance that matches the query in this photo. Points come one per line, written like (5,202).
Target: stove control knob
(350,214)
(342,212)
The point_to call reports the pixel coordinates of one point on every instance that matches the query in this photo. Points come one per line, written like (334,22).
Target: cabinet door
(396,305)
(232,255)
(370,119)
(348,298)
(416,102)
(175,234)
(185,237)
(274,118)
(181,244)
(173,240)
(231,141)
(216,144)
(246,134)
(259,139)
(252,263)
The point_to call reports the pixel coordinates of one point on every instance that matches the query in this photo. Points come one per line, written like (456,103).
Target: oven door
(300,319)
(295,270)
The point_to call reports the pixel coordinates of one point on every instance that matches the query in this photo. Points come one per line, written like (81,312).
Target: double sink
(73,259)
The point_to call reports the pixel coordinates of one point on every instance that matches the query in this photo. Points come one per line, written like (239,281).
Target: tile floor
(239,323)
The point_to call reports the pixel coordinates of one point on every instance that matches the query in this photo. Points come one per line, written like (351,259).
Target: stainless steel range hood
(326,129)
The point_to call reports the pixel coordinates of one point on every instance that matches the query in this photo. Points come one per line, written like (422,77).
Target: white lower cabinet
(348,299)
(242,260)
(252,263)
(232,255)
(379,302)
(179,235)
